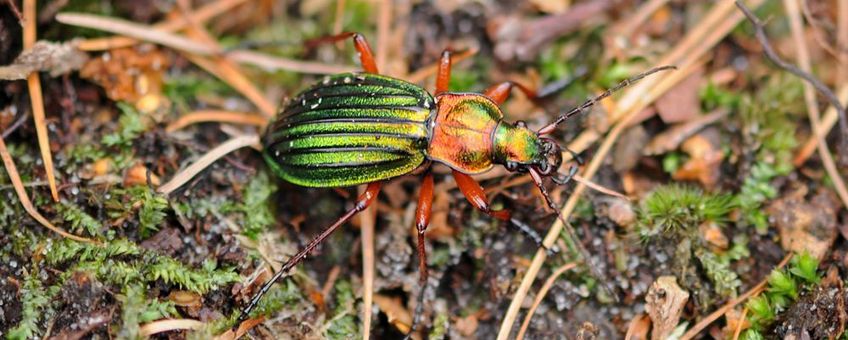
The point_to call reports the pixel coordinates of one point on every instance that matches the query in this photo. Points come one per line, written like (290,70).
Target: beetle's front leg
(500,92)
(475,195)
(366,57)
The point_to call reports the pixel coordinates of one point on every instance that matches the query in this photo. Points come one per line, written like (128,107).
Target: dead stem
(207,159)
(206,116)
(166,325)
(15,178)
(37,101)
(541,296)
(701,325)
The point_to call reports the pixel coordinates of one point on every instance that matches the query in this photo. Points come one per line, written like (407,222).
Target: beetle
(366,128)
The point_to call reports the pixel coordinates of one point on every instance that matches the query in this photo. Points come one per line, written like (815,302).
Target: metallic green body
(350,129)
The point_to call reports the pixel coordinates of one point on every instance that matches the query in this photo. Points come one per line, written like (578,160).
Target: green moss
(726,281)
(441,324)
(782,290)
(343,324)
(675,211)
(122,262)
(767,118)
(79,220)
(151,207)
(255,208)
(137,308)
(36,307)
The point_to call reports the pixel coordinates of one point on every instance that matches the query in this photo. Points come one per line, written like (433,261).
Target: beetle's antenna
(537,179)
(589,103)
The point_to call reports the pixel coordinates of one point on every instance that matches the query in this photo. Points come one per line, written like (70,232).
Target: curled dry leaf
(395,311)
(805,225)
(55,58)
(705,156)
(137,175)
(638,328)
(711,232)
(665,301)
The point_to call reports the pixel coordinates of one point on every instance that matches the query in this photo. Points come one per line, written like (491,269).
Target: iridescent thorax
(470,135)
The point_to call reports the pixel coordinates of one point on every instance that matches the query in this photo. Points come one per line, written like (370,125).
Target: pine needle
(36,98)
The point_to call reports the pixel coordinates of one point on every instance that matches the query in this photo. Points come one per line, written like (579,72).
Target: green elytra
(358,128)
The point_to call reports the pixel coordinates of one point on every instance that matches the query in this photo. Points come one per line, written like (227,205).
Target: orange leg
(443,74)
(422,221)
(366,57)
(477,197)
(362,203)
(500,92)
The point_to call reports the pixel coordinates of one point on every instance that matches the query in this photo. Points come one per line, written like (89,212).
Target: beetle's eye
(511,166)
(521,124)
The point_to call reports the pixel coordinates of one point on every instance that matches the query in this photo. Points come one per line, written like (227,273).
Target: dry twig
(15,178)
(541,296)
(207,159)
(36,98)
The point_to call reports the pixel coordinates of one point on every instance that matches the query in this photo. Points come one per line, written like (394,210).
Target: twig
(809,96)
(203,116)
(37,101)
(207,159)
(541,296)
(15,178)
(201,15)
(697,328)
(599,188)
(137,31)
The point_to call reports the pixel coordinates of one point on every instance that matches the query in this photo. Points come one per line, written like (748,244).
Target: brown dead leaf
(705,156)
(638,328)
(626,153)
(467,326)
(681,103)
(395,311)
(711,232)
(665,301)
(805,225)
(137,175)
(185,298)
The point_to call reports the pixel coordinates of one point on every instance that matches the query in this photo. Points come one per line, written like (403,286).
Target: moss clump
(36,308)
(677,211)
(343,323)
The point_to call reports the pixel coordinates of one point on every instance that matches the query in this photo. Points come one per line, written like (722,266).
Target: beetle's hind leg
(362,203)
(422,221)
(366,57)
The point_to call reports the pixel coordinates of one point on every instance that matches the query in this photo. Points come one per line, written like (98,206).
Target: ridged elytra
(365,128)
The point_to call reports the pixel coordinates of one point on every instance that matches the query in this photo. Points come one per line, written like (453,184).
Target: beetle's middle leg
(475,195)
(366,57)
(422,221)
(362,203)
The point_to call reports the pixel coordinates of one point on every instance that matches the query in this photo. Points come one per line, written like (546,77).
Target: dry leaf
(711,232)
(681,103)
(671,138)
(805,225)
(705,156)
(665,301)
(137,175)
(638,328)
(395,311)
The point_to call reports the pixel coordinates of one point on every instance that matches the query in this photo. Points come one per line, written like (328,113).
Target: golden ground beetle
(365,128)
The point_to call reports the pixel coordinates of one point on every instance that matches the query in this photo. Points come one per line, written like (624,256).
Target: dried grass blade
(207,159)
(205,116)
(15,178)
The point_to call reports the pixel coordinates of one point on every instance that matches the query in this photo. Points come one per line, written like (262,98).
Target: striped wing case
(350,129)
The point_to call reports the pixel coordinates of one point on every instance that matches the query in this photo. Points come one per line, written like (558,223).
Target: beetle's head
(520,149)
